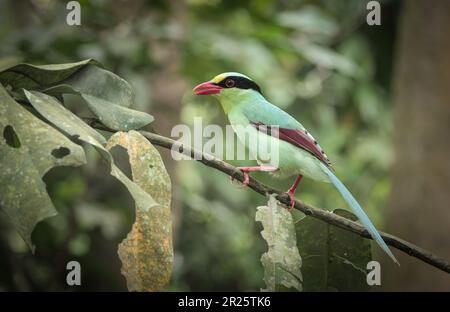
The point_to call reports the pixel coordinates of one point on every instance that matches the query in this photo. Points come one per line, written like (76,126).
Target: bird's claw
(246,180)
(292,201)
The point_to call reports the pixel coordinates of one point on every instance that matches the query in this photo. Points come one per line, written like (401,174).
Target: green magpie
(255,121)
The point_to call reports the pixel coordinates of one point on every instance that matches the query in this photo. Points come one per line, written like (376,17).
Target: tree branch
(262,189)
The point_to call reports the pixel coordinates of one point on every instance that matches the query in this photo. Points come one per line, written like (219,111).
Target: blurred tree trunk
(420,200)
(168,87)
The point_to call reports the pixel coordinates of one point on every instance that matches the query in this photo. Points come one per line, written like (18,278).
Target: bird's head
(229,85)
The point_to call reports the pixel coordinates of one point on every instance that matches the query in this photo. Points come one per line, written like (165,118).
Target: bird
(257,122)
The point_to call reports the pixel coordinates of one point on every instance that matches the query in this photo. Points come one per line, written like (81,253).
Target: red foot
(292,198)
(291,192)
(246,178)
(246,170)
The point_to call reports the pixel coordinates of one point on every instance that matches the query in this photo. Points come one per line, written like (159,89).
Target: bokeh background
(377,98)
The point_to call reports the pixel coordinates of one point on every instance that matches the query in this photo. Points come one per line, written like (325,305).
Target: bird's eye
(229,83)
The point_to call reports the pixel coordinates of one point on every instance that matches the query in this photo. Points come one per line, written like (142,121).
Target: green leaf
(147,252)
(28,149)
(65,120)
(30,76)
(282,261)
(333,259)
(107,95)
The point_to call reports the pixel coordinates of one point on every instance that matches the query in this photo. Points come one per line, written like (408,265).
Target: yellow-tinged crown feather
(222,76)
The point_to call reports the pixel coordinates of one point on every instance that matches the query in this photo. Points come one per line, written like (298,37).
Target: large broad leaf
(28,149)
(282,261)
(146,253)
(65,120)
(30,76)
(107,95)
(333,259)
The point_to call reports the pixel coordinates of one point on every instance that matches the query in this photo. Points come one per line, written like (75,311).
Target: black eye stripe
(239,82)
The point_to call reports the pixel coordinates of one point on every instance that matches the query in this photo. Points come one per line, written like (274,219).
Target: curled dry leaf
(147,252)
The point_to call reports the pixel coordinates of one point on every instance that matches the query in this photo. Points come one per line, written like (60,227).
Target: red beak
(207,88)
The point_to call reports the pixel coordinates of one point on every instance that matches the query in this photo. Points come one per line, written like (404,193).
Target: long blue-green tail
(359,212)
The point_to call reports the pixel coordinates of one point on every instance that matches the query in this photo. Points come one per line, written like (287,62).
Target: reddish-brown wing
(299,138)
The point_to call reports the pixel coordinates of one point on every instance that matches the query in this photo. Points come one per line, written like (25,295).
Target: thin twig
(262,189)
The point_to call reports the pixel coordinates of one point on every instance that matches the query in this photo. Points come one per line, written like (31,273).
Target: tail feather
(359,212)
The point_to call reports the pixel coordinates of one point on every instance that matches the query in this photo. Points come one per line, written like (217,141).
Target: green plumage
(298,154)
(243,107)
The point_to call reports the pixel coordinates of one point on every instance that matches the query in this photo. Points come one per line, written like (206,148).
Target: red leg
(291,191)
(246,170)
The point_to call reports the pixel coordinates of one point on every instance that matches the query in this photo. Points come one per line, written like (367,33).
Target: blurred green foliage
(316,59)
